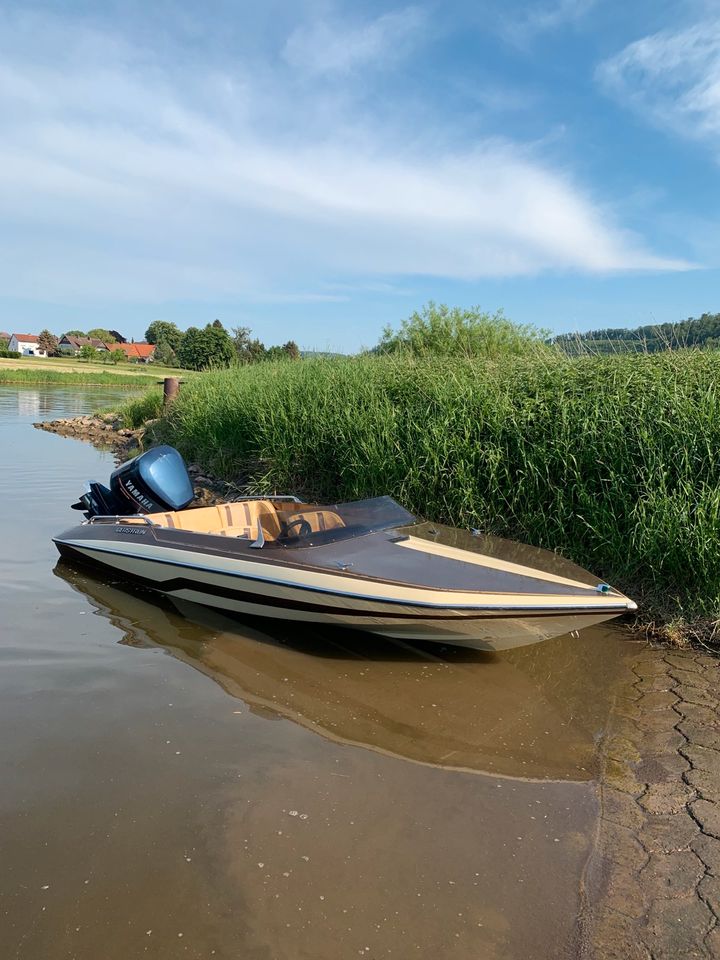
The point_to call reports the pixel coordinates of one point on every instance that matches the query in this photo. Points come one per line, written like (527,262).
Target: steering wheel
(305,530)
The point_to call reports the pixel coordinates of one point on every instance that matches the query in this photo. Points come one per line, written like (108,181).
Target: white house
(26,344)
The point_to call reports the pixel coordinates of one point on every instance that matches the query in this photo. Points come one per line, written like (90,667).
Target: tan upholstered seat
(318,520)
(229,519)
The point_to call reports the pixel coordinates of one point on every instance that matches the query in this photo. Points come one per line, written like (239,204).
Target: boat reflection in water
(534,713)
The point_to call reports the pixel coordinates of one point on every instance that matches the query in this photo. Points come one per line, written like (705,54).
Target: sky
(317,169)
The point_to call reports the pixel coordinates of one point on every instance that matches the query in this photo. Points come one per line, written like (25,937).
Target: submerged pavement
(652,886)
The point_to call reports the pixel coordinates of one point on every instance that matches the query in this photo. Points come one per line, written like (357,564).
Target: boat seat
(318,520)
(239,519)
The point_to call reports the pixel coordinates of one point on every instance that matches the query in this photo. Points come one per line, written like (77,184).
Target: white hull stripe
(304,580)
(490,563)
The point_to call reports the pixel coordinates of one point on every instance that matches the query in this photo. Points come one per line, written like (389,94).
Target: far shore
(71,370)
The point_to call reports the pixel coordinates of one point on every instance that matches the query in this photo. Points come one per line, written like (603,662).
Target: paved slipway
(652,886)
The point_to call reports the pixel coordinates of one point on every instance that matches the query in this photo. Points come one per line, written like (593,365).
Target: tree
(117,356)
(438,330)
(163,330)
(247,350)
(49,343)
(165,354)
(117,337)
(74,333)
(218,325)
(87,352)
(100,333)
(209,347)
(288,351)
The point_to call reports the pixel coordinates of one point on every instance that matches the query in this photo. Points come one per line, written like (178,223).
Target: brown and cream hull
(532,605)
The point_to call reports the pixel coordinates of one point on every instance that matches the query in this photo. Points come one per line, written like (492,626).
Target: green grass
(612,460)
(93,377)
(139,410)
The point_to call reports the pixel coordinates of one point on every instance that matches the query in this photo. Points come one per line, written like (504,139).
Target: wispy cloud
(125,180)
(672,78)
(525,24)
(338,47)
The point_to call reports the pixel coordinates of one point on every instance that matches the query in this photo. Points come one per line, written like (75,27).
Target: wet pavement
(179,784)
(653,880)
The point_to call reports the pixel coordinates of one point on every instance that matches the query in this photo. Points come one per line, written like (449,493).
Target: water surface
(179,784)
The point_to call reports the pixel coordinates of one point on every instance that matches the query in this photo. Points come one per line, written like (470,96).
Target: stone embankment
(652,887)
(103,430)
(106,431)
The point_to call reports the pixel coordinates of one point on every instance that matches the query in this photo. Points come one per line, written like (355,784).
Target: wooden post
(171,385)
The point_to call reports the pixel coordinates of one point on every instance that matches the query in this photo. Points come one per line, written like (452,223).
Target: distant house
(71,345)
(139,352)
(26,344)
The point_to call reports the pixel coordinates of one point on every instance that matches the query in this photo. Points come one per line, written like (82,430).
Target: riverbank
(71,371)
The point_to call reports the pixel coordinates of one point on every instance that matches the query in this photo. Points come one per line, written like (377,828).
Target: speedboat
(369,565)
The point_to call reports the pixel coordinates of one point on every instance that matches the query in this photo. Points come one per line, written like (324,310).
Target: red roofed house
(68,344)
(26,344)
(140,352)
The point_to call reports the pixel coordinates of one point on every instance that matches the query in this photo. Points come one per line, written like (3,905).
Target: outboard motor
(156,480)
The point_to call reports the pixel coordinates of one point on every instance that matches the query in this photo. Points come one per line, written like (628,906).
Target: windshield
(304,524)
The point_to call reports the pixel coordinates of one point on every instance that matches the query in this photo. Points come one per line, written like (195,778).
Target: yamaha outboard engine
(156,480)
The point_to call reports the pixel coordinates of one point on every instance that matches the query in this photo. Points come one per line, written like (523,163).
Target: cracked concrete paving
(652,884)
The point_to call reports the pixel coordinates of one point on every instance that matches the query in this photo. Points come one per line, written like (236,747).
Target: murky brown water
(264,792)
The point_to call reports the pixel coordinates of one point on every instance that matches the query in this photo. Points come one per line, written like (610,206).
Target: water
(177,784)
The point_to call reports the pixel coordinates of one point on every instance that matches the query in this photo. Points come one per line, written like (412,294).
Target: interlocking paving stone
(613,936)
(701,697)
(705,783)
(702,758)
(672,875)
(708,849)
(654,880)
(709,890)
(699,735)
(620,748)
(677,929)
(620,776)
(621,808)
(708,816)
(621,846)
(666,798)
(668,834)
(699,714)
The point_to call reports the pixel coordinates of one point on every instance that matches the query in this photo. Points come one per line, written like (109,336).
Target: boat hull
(231,586)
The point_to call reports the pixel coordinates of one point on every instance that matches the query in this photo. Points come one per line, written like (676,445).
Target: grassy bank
(90,377)
(611,460)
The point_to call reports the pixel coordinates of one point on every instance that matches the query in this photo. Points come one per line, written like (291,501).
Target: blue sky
(315,170)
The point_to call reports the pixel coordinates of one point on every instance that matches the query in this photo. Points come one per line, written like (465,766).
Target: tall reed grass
(613,460)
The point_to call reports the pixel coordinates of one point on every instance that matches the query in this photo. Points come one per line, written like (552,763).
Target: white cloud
(126,181)
(672,78)
(324,47)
